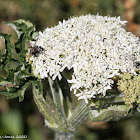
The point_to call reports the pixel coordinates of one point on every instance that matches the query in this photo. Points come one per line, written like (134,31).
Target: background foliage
(26,120)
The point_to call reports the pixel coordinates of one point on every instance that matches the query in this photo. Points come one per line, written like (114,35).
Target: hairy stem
(63,136)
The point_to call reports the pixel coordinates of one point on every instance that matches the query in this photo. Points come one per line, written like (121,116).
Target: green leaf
(4,83)
(48,109)
(57,96)
(79,114)
(67,99)
(112,113)
(18,92)
(20,25)
(108,108)
(17,71)
(61,95)
(38,85)
(5,58)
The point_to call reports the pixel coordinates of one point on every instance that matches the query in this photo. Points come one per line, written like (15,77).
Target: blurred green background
(23,118)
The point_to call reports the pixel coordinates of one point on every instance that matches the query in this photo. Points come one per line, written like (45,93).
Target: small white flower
(97,48)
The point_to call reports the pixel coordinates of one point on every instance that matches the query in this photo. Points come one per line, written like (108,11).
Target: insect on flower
(36,50)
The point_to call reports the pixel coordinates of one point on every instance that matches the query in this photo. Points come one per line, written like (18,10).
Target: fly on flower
(36,50)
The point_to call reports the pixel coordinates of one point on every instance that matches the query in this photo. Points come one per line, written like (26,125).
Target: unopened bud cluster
(130,86)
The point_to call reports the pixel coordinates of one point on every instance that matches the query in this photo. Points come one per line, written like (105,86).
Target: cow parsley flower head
(97,48)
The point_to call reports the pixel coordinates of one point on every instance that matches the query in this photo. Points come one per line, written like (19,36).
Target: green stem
(78,115)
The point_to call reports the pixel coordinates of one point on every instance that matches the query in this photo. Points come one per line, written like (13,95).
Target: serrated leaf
(13,65)
(18,24)
(20,92)
(34,35)
(28,23)
(4,83)
(8,47)
(2,38)
(15,28)
(18,71)
(7,41)
(3,74)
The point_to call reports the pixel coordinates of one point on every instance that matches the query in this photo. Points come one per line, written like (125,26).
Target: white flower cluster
(97,48)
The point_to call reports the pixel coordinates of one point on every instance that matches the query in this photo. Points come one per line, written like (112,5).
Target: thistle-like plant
(84,56)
